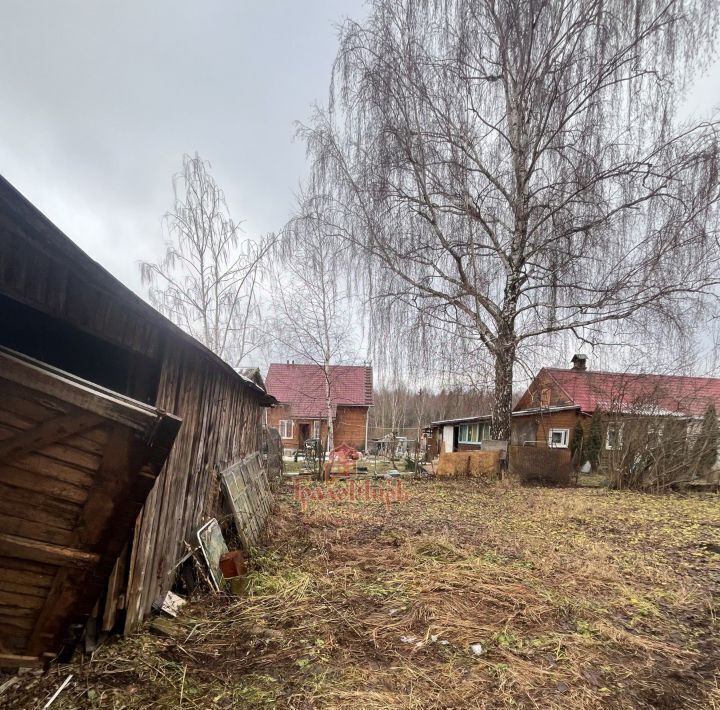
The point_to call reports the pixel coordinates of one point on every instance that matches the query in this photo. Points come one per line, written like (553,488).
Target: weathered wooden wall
(76,464)
(221,423)
(534,429)
(63,308)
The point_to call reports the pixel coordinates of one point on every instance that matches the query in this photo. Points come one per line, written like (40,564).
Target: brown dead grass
(578,599)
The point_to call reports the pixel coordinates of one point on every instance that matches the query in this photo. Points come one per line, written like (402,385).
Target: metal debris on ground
(213,547)
(172,604)
(55,695)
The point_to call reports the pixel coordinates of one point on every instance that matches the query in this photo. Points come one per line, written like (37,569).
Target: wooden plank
(122,483)
(68,455)
(46,485)
(38,507)
(38,377)
(23,617)
(91,440)
(34,573)
(34,530)
(221,424)
(48,432)
(30,410)
(16,546)
(9,660)
(52,468)
(20,621)
(21,588)
(20,600)
(114,590)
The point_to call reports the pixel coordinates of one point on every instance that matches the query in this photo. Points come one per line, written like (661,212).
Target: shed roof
(35,229)
(488,417)
(462,420)
(303,388)
(643,393)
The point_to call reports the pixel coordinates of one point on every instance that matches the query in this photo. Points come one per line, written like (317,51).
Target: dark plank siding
(36,278)
(221,423)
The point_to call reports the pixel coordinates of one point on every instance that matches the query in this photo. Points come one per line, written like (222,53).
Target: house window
(316,429)
(558,438)
(286,428)
(613,438)
(470,433)
(545,396)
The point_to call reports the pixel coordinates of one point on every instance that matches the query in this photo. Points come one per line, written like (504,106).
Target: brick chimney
(579,362)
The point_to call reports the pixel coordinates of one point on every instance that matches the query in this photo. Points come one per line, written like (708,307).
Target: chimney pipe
(579,362)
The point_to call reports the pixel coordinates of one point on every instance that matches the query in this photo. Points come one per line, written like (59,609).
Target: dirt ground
(460,595)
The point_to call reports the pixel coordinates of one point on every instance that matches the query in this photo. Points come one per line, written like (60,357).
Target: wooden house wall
(536,427)
(221,423)
(543,392)
(349,426)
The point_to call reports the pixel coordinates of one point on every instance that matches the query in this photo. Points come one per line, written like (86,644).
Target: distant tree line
(405,412)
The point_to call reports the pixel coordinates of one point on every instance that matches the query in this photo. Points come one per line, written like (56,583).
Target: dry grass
(578,599)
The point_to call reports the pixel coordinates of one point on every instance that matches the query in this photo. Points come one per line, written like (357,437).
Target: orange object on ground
(232,564)
(342,459)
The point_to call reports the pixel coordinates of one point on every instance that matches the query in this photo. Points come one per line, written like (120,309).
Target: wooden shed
(65,311)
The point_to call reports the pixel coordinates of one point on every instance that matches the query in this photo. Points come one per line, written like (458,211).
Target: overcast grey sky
(100,99)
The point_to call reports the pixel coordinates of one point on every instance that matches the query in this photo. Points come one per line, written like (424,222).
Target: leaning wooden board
(76,464)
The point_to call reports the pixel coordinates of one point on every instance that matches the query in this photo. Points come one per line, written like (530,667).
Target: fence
(538,464)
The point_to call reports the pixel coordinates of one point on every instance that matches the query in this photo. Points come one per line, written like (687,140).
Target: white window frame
(316,427)
(282,428)
(564,433)
(618,429)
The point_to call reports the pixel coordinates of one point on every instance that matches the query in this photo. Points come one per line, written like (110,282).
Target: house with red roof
(302,412)
(557,398)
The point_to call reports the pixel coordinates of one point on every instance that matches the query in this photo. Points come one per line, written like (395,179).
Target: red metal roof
(652,394)
(303,388)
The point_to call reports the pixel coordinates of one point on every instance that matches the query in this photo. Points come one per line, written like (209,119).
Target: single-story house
(302,410)
(458,434)
(557,398)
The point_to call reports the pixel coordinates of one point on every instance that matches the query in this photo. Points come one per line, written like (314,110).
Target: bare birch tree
(513,169)
(207,281)
(311,318)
